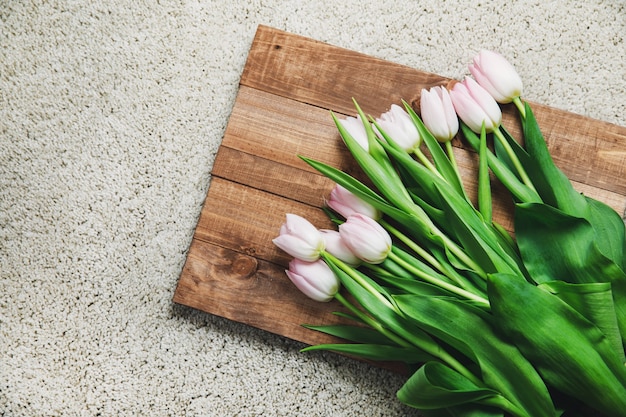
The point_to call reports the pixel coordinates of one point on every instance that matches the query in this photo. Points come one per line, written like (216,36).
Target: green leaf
(435,385)
(571,353)
(359,189)
(595,302)
(551,183)
(469,330)
(374,148)
(610,235)
(356,334)
(557,246)
(409,355)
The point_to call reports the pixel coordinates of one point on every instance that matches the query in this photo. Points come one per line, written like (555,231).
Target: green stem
(484,188)
(357,278)
(520,106)
(514,159)
(426,162)
(452,158)
(430,230)
(372,322)
(455,167)
(480,301)
(421,252)
(459,253)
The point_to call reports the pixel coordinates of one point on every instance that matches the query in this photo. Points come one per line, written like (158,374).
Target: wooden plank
(246,220)
(326,76)
(253,286)
(288,86)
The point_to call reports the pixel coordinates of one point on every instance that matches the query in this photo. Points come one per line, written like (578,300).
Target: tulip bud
(475,106)
(398,125)
(438,113)
(356,129)
(365,238)
(315,279)
(496,75)
(300,239)
(337,247)
(346,203)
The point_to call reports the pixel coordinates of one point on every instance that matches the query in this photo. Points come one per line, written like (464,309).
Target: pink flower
(337,247)
(475,106)
(299,238)
(356,129)
(398,125)
(315,279)
(496,75)
(438,113)
(346,203)
(365,238)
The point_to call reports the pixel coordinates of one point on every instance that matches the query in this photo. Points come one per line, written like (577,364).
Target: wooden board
(289,85)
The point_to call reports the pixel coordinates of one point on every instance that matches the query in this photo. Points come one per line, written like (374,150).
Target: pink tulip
(315,279)
(438,113)
(346,203)
(365,238)
(400,127)
(496,75)
(337,247)
(475,106)
(299,238)
(356,129)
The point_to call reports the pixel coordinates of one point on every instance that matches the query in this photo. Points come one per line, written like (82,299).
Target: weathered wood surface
(288,86)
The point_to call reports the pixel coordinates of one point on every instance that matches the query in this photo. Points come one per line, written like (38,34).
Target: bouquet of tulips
(490,323)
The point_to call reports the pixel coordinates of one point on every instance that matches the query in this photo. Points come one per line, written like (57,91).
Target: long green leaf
(435,386)
(571,353)
(551,183)
(595,302)
(359,189)
(610,231)
(409,355)
(383,314)
(555,245)
(357,334)
(469,330)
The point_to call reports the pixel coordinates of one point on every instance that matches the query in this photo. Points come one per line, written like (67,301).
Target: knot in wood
(244,266)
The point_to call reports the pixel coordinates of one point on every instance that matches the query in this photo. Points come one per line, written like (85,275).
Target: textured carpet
(111,113)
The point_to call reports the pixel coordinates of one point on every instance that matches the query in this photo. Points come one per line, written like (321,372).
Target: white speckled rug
(110,117)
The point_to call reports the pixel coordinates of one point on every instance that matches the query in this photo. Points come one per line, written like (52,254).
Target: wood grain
(288,88)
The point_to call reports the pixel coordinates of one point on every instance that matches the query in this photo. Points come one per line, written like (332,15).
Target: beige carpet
(110,116)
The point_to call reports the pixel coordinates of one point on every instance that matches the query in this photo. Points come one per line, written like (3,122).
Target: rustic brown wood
(288,88)
(248,284)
